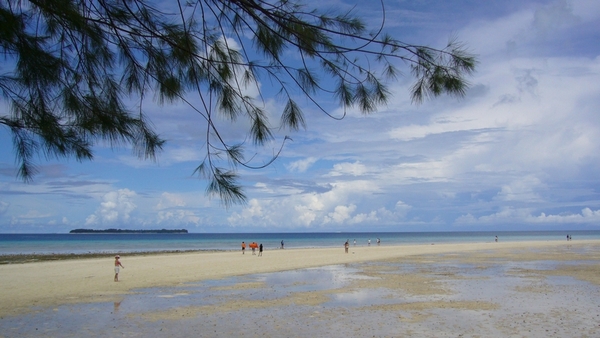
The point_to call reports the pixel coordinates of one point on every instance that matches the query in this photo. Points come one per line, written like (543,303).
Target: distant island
(126,231)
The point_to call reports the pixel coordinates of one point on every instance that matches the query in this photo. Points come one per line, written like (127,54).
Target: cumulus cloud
(524,215)
(521,190)
(339,208)
(340,214)
(252,213)
(116,208)
(402,208)
(170,200)
(587,215)
(172,210)
(362,218)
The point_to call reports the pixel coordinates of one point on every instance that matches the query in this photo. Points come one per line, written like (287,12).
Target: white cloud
(507,214)
(335,209)
(301,165)
(587,215)
(521,148)
(491,37)
(116,207)
(551,17)
(520,32)
(522,189)
(175,217)
(352,169)
(524,216)
(408,173)
(340,214)
(183,154)
(362,218)
(402,208)
(170,200)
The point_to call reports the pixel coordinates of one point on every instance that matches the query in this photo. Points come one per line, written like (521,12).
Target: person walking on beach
(378,241)
(282,243)
(346,246)
(369,242)
(243,248)
(260,250)
(118,265)
(496,238)
(354,242)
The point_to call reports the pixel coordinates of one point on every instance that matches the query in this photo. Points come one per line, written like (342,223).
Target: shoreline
(33,257)
(46,257)
(50,283)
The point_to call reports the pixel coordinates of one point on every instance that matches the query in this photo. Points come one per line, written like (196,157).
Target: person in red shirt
(117,266)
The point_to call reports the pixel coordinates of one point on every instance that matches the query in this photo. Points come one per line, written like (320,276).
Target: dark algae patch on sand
(31,258)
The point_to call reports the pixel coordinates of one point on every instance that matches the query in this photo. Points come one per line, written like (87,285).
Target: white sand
(52,283)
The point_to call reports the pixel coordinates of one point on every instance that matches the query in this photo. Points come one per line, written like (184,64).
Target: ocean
(17,244)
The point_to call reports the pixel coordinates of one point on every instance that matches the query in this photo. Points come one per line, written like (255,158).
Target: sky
(521,151)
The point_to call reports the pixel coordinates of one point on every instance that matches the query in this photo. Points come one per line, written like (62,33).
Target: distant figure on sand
(243,248)
(282,243)
(369,242)
(117,266)
(496,239)
(355,242)
(253,245)
(378,241)
(260,250)
(346,246)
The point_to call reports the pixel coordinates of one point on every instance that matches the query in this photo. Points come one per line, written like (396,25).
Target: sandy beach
(414,283)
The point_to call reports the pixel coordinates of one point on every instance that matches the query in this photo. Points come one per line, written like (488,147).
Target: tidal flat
(548,291)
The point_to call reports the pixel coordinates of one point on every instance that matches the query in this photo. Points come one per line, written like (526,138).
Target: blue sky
(520,152)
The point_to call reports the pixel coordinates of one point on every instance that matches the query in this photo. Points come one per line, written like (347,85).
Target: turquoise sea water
(122,243)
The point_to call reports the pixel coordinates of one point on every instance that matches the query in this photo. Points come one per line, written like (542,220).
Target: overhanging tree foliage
(70,66)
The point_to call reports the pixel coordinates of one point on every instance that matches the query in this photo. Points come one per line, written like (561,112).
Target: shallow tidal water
(325,302)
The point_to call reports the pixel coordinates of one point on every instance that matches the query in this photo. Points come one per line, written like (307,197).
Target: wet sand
(478,289)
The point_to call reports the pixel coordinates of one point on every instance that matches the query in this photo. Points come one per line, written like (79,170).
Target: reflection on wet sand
(533,293)
(116,306)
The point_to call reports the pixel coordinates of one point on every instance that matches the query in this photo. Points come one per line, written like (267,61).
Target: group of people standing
(347,244)
(369,242)
(253,246)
